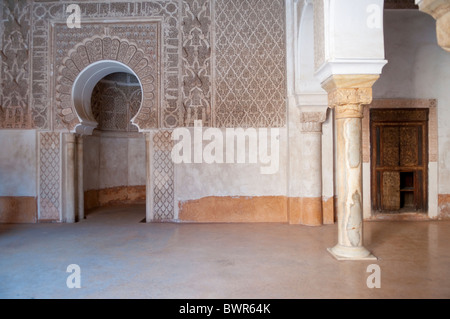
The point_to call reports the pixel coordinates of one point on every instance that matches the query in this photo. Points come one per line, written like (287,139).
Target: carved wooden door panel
(399,159)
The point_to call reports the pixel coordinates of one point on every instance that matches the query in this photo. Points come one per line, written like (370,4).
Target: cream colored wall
(418,68)
(18,168)
(196,181)
(114,160)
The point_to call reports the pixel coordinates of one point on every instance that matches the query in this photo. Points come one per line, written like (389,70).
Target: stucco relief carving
(163,176)
(348,94)
(188,58)
(96,49)
(197,88)
(349,102)
(132,21)
(49,176)
(14,67)
(250,84)
(114,104)
(312,121)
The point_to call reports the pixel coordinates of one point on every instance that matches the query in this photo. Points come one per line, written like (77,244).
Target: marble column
(311,213)
(80,180)
(440,11)
(348,94)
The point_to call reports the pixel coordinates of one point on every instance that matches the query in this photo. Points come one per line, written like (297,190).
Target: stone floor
(123,258)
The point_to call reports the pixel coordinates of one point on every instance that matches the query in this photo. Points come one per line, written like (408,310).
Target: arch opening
(83,87)
(114,157)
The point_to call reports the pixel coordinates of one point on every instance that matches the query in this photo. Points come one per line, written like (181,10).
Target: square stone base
(370,257)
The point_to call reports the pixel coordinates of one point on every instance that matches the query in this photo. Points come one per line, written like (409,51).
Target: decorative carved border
(139,12)
(49,202)
(108,48)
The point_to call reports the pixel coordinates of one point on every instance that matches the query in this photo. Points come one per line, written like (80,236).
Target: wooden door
(399,159)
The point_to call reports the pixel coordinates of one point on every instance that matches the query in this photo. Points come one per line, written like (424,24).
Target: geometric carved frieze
(220,61)
(113,49)
(163,177)
(49,176)
(250,82)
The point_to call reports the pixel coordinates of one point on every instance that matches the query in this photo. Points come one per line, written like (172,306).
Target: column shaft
(349,188)
(348,94)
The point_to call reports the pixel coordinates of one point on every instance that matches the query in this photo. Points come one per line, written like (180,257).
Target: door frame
(432,192)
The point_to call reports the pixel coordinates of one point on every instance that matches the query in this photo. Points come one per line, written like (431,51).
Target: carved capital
(345,96)
(349,111)
(348,93)
(312,121)
(440,11)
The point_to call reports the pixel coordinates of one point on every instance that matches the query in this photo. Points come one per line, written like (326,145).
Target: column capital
(440,11)
(348,93)
(312,120)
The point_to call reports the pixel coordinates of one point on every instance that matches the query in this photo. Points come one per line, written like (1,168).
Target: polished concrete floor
(120,257)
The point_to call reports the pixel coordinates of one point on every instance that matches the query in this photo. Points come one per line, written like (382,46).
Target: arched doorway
(114,155)
(76,77)
(74,104)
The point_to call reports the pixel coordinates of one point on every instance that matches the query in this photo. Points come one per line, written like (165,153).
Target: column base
(351,253)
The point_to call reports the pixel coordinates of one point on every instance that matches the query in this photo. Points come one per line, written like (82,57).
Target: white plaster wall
(91,162)
(328,156)
(113,160)
(136,160)
(196,181)
(418,68)
(354,32)
(18,163)
(295,179)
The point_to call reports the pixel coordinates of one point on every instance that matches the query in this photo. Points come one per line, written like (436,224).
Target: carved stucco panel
(115,49)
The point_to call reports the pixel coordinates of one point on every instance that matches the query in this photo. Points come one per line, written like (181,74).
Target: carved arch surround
(97,57)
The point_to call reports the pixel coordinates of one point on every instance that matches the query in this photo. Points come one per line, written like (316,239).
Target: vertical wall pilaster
(310,208)
(69,181)
(149,185)
(80,177)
